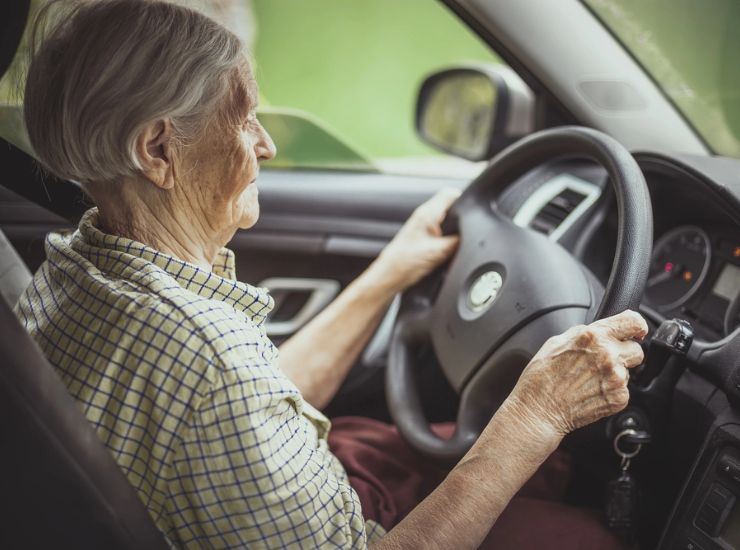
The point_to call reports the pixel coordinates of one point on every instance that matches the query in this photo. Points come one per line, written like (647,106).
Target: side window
(338,78)
(354,68)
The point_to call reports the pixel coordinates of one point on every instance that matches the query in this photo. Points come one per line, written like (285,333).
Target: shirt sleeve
(252,471)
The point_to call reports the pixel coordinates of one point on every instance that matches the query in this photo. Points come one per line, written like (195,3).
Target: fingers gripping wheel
(509,288)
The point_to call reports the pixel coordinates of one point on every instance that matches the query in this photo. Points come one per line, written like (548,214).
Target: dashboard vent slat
(554,213)
(557,204)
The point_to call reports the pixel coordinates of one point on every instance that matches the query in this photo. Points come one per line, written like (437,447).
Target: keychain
(622,492)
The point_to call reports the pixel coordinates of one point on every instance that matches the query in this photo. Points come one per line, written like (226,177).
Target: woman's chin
(248,224)
(249,216)
(250,207)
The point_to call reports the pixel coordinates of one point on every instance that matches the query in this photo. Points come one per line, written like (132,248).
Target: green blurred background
(357,64)
(339,77)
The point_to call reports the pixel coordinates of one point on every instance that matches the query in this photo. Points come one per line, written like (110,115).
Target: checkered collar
(219,284)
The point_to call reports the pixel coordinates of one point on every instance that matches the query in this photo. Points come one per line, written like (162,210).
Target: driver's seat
(60,486)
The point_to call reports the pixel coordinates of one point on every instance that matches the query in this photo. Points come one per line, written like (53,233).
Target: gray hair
(107,68)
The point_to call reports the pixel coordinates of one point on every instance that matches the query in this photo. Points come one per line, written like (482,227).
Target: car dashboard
(695,266)
(694,275)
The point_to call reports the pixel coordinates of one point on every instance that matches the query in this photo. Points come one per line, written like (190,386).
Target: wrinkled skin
(189,199)
(419,246)
(581,375)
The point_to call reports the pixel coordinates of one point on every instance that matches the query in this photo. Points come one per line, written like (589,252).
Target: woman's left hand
(419,246)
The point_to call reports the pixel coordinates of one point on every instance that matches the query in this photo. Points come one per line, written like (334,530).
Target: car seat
(59,485)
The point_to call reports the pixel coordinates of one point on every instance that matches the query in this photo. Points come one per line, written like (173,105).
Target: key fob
(621,505)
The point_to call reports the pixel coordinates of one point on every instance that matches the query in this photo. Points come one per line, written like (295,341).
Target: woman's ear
(156,153)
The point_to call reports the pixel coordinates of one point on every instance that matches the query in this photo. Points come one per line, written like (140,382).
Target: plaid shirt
(172,366)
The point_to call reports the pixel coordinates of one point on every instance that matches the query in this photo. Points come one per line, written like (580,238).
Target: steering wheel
(509,288)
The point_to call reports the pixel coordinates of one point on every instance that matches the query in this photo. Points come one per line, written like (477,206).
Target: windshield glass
(690,48)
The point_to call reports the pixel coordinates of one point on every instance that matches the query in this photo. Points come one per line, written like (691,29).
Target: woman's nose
(265,147)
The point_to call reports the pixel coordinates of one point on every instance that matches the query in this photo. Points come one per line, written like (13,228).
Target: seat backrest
(59,485)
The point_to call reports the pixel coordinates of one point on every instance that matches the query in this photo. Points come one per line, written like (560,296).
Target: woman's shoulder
(125,300)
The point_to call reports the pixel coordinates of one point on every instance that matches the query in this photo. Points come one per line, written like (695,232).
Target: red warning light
(668,267)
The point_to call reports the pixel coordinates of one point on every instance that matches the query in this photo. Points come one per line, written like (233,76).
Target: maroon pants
(391,479)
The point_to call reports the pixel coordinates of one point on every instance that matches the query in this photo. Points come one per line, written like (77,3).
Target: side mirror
(474,111)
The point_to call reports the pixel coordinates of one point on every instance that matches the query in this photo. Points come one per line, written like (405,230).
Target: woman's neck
(162,219)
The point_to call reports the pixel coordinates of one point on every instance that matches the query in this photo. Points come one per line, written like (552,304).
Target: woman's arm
(575,379)
(463,508)
(318,357)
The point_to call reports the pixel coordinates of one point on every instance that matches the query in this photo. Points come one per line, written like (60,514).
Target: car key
(622,492)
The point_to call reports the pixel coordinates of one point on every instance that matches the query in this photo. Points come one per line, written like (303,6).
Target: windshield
(689,47)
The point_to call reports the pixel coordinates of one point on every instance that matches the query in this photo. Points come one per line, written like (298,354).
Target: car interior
(595,194)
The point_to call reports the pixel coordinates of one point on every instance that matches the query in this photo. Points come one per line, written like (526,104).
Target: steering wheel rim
(520,310)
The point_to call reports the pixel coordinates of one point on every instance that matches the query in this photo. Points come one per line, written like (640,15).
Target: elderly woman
(152,108)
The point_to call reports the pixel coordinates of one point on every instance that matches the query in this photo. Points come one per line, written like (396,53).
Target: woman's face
(221,168)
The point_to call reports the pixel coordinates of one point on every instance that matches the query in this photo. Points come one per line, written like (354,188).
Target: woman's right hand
(575,378)
(581,375)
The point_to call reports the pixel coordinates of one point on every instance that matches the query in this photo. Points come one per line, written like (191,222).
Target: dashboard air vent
(554,213)
(556,204)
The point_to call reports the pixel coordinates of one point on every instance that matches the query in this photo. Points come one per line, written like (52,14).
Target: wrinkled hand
(581,375)
(419,246)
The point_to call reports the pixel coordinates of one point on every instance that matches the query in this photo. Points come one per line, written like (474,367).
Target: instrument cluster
(695,275)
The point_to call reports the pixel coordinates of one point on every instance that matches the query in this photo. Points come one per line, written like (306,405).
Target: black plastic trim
(23,176)
(12,25)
